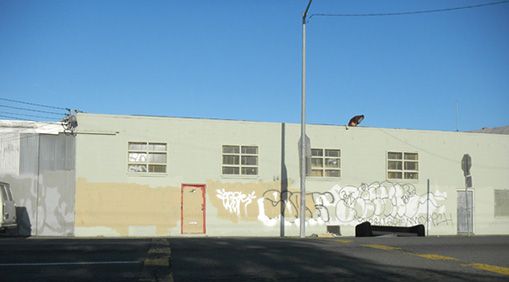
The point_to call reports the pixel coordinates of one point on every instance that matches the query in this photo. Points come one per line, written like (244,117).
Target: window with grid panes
(240,160)
(146,157)
(402,165)
(325,162)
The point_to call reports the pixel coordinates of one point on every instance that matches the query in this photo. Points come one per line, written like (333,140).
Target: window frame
(403,161)
(147,163)
(324,167)
(239,166)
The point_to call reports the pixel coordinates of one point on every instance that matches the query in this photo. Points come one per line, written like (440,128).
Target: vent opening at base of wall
(334,229)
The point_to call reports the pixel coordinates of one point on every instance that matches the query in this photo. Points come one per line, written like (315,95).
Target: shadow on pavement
(211,259)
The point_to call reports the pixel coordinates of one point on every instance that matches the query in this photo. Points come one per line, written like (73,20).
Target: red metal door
(193,209)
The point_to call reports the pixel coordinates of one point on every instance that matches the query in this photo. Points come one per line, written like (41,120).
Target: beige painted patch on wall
(125,208)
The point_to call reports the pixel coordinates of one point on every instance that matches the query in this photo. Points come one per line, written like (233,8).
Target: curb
(157,263)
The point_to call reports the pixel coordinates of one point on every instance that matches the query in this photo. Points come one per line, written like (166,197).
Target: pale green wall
(192,143)
(194,156)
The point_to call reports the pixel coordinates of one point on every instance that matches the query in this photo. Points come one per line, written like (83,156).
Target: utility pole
(303,142)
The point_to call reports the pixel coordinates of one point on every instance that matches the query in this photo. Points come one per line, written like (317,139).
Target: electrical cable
(27,115)
(12,117)
(32,110)
(16,136)
(409,12)
(34,104)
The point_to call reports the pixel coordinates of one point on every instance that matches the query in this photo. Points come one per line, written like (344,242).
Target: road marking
(69,263)
(159,251)
(479,266)
(162,261)
(435,257)
(490,268)
(381,247)
(344,241)
(161,242)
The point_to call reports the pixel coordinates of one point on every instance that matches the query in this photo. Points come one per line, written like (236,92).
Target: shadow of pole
(284,183)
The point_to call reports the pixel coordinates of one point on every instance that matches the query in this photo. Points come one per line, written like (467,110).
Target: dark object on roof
(356,120)
(495,130)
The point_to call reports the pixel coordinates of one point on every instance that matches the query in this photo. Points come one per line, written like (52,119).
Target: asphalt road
(256,259)
(81,259)
(341,259)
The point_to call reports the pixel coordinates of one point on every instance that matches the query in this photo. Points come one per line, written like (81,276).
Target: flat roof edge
(273,122)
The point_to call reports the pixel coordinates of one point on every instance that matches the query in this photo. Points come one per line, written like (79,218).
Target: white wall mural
(380,203)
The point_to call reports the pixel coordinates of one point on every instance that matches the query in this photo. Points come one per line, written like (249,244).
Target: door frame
(204,205)
(470,211)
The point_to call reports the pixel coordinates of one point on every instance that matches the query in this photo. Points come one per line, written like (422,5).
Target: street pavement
(44,259)
(341,259)
(483,258)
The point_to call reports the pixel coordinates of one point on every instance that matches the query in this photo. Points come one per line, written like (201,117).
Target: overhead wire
(34,104)
(415,12)
(13,117)
(29,112)
(27,115)
(12,136)
(404,13)
(32,110)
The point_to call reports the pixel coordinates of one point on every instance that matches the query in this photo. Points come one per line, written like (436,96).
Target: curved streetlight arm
(304,16)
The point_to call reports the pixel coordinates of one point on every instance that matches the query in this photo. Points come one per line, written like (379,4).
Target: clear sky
(232,59)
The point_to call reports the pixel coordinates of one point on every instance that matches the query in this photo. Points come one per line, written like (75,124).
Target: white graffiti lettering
(233,200)
(382,203)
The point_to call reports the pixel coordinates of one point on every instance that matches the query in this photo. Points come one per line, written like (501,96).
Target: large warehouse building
(161,176)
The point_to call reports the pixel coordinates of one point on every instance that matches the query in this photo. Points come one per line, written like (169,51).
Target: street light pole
(303,141)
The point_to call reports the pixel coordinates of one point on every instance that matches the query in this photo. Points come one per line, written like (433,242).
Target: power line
(410,12)
(32,110)
(34,104)
(12,117)
(26,115)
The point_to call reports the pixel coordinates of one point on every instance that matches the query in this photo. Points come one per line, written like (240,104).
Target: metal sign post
(466,164)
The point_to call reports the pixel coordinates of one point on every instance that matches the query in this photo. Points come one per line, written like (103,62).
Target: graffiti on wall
(269,206)
(384,203)
(381,203)
(233,200)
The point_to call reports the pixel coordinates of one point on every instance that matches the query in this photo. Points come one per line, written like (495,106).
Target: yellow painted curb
(490,268)
(435,257)
(382,247)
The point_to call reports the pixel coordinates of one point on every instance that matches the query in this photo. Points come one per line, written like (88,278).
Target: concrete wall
(40,169)
(110,201)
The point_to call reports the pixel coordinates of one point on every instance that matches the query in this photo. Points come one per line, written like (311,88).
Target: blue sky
(233,59)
